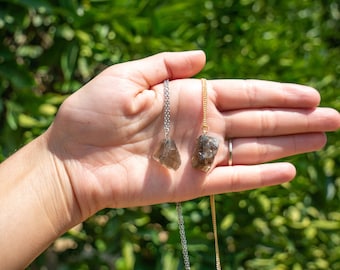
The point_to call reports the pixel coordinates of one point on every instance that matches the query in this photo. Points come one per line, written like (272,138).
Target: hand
(105,134)
(98,151)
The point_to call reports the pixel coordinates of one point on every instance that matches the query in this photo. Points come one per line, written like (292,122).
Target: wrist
(36,203)
(63,209)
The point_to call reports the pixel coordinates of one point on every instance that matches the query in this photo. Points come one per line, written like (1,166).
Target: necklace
(202,159)
(168,155)
(206,146)
(184,243)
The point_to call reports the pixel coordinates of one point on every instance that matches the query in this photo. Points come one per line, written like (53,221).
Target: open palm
(111,127)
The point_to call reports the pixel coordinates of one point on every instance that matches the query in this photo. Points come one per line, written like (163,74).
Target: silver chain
(183,237)
(181,227)
(166,109)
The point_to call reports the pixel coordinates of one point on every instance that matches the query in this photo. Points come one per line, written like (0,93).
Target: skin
(98,151)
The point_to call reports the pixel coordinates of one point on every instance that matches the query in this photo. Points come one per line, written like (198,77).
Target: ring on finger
(230,152)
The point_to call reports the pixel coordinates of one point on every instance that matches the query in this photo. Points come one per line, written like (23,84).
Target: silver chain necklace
(181,226)
(167,154)
(184,243)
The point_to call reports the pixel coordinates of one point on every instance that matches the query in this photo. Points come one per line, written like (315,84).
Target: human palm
(111,127)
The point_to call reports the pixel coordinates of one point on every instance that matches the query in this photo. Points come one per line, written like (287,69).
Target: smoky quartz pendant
(168,155)
(205,152)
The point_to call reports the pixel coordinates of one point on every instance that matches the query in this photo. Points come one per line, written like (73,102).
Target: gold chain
(205,106)
(213,217)
(205,129)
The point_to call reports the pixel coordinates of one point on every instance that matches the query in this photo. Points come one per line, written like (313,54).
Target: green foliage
(48,49)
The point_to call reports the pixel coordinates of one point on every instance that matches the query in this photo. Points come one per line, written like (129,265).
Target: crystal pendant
(205,152)
(168,155)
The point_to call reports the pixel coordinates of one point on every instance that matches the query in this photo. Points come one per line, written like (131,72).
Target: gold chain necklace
(203,157)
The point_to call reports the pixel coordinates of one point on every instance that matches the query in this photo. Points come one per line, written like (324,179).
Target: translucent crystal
(205,152)
(168,155)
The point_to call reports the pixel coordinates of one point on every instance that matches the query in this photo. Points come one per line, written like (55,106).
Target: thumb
(155,69)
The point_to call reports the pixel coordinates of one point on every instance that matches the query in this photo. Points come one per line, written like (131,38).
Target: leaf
(326,225)
(227,222)
(27,121)
(68,61)
(18,76)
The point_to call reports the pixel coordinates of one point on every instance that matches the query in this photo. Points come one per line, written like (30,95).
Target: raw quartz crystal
(168,155)
(205,152)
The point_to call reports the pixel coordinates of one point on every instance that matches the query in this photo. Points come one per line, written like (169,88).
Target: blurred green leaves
(49,49)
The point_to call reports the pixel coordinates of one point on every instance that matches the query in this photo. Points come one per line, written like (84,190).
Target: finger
(238,94)
(271,122)
(238,178)
(155,69)
(247,151)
